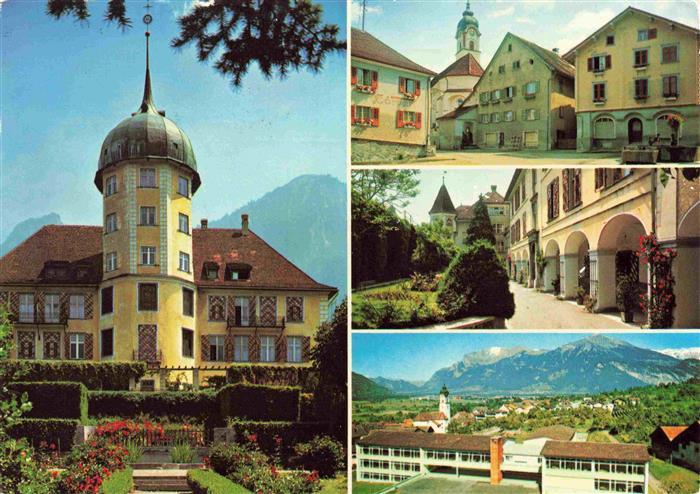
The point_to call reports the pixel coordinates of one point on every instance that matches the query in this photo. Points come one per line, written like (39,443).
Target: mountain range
(24,229)
(304,220)
(594,364)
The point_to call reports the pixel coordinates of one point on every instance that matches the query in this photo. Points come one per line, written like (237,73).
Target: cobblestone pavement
(519,158)
(536,310)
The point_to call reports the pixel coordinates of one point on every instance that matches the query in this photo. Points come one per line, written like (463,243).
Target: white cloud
(525,20)
(356,10)
(587,21)
(503,12)
(540,4)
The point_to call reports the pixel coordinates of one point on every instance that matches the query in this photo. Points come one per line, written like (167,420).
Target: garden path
(537,310)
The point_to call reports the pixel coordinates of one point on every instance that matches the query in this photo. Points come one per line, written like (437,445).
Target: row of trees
(385,246)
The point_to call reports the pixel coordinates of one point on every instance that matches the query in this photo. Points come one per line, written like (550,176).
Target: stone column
(685,270)
(569,279)
(195,378)
(605,276)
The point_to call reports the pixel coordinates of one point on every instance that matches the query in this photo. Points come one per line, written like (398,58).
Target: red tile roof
(76,247)
(467,65)
(671,431)
(270,268)
(596,451)
(465,213)
(366,46)
(556,432)
(427,416)
(453,442)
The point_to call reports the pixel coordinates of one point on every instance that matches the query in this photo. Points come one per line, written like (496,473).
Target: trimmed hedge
(174,404)
(272,375)
(291,434)
(57,400)
(121,482)
(255,402)
(94,375)
(307,408)
(60,432)
(208,482)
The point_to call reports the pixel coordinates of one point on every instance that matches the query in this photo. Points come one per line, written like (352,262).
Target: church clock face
(472,33)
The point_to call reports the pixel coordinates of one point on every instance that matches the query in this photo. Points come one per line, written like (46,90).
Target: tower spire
(147,103)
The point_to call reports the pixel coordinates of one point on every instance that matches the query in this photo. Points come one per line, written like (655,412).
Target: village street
(536,310)
(523,157)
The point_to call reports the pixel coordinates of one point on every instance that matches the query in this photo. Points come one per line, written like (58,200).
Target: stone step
(161,483)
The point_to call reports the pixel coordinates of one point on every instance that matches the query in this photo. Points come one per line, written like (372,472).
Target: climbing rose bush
(660,301)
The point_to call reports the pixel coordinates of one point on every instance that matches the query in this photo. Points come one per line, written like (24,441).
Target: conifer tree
(278,35)
(480,227)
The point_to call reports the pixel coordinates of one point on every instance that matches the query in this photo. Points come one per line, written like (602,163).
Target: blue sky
(463,185)
(66,85)
(424,30)
(415,356)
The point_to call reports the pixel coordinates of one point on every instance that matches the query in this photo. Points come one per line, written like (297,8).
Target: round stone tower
(147,174)
(468,36)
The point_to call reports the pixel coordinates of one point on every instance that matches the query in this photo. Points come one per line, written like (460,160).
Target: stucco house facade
(526,98)
(390,102)
(636,77)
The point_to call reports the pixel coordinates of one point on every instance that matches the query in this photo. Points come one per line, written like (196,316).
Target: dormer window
(238,271)
(211,271)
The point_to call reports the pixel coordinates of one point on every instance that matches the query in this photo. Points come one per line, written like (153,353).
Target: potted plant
(556,283)
(627,294)
(580,295)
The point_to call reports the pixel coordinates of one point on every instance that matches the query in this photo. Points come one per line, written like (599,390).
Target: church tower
(147,174)
(468,36)
(445,402)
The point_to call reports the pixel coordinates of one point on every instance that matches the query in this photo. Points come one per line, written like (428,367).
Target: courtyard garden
(408,276)
(77,427)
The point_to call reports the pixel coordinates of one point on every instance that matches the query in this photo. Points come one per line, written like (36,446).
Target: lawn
(674,478)
(368,487)
(338,485)
(393,306)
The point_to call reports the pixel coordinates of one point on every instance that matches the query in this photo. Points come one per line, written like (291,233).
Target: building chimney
(496,450)
(555,50)
(244,224)
(204,224)
(493,188)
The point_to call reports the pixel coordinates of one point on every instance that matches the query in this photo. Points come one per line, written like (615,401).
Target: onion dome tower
(468,35)
(147,174)
(445,402)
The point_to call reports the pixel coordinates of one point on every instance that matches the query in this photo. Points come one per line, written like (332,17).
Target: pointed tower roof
(443,203)
(147,134)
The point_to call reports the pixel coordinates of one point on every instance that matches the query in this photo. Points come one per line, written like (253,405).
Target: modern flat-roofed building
(557,467)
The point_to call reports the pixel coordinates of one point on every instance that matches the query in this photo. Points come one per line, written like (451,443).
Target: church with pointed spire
(455,84)
(148,286)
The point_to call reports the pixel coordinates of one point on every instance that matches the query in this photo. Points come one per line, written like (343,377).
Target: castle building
(526,98)
(451,87)
(147,285)
(390,109)
(458,219)
(586,224)
(556,467)
(636,78)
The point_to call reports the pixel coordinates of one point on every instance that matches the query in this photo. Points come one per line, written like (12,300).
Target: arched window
(471,45)
(604,128)
(669,123)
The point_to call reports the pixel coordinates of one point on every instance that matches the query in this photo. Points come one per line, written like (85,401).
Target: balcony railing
(254,321)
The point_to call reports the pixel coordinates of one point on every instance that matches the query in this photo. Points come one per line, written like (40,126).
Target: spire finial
(443,177)
(147,103)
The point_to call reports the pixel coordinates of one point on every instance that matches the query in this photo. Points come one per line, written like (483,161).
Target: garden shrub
(120,482)
(60,400)
(476,284)
(20,473)
(90,463)
(271,375)
(276,438)
(60,432)
(307,408)
(208,482)
(247,466)
(94,375)
(173,404)
(255,402)
(322,454)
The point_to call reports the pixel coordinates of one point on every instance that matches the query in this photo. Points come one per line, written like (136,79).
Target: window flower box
(410,96)
(364,89)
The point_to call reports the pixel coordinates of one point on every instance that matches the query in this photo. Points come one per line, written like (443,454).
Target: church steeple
(147,104)
(468,35)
